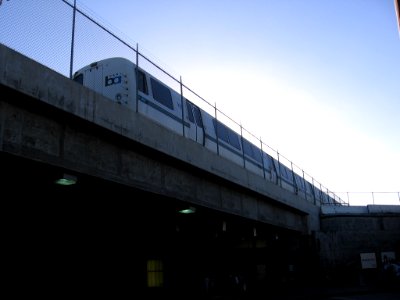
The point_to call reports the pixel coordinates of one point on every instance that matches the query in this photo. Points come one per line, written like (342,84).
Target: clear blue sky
(318,80)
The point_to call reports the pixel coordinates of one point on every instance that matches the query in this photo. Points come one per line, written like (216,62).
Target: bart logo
(113,79)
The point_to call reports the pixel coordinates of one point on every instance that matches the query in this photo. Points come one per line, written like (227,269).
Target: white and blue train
(121,81)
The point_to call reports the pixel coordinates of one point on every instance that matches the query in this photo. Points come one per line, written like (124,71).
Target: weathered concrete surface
(346,232)
(50,118)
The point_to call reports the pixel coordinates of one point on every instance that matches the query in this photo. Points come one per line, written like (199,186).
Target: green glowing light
(189,210)
(66,180)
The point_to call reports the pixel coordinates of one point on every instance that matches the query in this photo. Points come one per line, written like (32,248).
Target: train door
(195,131)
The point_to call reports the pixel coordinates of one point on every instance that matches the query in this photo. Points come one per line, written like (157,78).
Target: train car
(119,80)
(123,82)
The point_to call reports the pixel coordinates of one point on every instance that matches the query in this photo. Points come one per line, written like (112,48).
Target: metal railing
(61,35)
(374,198)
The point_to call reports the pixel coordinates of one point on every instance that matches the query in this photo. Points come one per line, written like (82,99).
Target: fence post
(279,169)
(313,190)
(320,194)
(262,157)
(305,184)
(241,139)
(296,188)
(183,120)
(71,63)
(137,77)
(327,192)
(216,126)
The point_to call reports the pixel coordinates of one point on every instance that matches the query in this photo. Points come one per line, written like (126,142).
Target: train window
(190,112)
(299,182)
(257,154)
(221,131)
(142,83)
(309,187)
(251,150)
(197,115)
(285,172)
(247,148)
(194,113)
(79,79)
(275,164)
(226,134)
(233,139)
(161,93)
(269,162)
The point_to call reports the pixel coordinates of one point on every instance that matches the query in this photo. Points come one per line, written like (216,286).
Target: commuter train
(121,81)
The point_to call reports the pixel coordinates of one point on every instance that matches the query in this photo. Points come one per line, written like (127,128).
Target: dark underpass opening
(97,237)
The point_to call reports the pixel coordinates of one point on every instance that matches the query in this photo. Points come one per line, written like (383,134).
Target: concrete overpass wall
(47,117)
(346,232)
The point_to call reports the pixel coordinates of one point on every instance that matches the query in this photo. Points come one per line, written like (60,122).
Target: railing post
(296,188)
(279,169)
(183,120)
(262,158)
(305,185)
(313,187)
(320,194)
(216,126)
(71,62)
(241,139)
(137,77)
(327,192)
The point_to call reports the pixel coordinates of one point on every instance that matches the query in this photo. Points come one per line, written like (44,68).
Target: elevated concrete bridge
(119,229)
(133,176)
(49,118)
